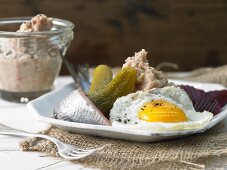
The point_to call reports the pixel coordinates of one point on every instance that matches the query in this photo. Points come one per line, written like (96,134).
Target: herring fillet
(77,107)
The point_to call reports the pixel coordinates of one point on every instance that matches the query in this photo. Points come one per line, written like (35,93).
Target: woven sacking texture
(210,75)
(173,154)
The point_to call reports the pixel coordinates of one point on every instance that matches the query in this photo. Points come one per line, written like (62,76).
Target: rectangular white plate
(42,109)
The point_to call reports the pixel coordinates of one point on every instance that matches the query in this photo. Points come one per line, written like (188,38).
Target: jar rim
(65,26)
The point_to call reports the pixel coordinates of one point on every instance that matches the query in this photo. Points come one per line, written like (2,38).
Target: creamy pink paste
(38,23)
(147,77)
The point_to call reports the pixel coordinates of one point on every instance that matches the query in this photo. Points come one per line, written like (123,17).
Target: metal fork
(66,151)
(79,73)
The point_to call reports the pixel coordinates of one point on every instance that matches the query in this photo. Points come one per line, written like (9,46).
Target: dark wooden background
(191,33)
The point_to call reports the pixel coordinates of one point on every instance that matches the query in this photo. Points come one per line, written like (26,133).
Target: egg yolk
(161,111)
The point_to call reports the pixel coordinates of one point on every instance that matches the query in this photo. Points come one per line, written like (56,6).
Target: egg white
(125,110)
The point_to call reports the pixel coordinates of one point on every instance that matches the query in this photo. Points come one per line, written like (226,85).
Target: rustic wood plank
(192,33)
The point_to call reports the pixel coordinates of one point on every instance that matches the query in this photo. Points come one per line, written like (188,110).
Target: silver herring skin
(29,64)
(77,107)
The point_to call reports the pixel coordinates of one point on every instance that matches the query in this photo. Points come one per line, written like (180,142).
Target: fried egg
(161,109)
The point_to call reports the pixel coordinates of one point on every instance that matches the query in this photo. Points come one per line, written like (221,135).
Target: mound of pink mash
(147,77)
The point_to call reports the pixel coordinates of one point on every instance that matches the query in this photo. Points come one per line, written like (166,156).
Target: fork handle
(20,133)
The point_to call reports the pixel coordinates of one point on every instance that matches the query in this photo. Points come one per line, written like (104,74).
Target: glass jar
(31,61)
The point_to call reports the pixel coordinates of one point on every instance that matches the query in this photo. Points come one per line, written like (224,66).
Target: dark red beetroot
(211,101)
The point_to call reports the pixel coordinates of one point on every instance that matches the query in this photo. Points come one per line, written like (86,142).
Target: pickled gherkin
(101,77)
(123,83)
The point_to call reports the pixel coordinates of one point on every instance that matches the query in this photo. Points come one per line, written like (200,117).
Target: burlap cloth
(201,151)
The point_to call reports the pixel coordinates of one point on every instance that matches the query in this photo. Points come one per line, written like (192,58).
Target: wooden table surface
(11,158)
(17,116)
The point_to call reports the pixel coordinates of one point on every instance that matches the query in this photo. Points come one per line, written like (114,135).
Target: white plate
(42,109)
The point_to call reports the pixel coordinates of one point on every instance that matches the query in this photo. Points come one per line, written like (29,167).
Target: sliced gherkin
(101,77)
(122,84)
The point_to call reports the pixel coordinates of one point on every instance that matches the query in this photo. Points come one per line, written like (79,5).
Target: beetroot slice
(212,101)
(220,95)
